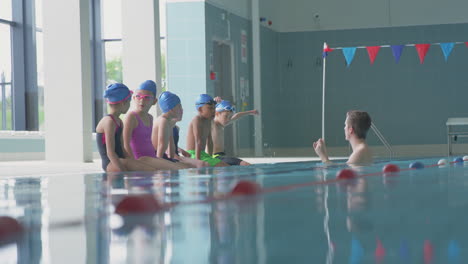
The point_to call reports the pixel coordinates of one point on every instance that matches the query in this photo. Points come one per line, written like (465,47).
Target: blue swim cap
(116,93)
(148,85)
(225,106)
(203,99)
(167,101)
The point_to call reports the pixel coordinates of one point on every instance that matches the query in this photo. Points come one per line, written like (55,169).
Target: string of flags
(397,50)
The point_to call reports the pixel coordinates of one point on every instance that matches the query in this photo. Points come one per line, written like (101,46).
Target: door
(223,84)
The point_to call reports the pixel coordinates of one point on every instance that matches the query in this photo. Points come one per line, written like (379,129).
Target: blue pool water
(415,216)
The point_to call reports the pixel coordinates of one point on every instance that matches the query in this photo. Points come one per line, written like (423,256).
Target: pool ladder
(382,139)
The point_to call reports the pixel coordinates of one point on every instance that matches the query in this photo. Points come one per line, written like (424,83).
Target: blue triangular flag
(357,252)
(404,250)
(454,252)
(447,49)
(397,50)
(349,55)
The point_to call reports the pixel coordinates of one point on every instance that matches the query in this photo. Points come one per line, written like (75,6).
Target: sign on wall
(243,46)
(244,92)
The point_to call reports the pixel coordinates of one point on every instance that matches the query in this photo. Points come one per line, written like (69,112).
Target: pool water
(414,216)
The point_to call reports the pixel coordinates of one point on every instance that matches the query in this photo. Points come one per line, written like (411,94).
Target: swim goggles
(140,96)
(225,108)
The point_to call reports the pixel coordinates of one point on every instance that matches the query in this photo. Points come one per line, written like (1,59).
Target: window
(5,10)
(18,64)
(113,56)
(162,31)
(39,62)
(6,105)
(112,39)
(109,30)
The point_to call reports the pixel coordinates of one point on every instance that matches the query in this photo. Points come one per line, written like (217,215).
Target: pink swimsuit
(141,139)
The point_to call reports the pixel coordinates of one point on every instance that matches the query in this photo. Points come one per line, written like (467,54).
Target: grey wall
(409,102)
(300,15)
(271,91)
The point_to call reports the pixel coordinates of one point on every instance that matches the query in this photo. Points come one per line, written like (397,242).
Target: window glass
(6,115)
(40,78)
(5,9)
(113,55)
(38,9)
(111,19)
(5,52)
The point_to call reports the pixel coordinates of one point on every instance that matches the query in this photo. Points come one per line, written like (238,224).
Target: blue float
(416,165)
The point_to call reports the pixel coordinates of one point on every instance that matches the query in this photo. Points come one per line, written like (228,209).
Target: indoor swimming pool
(302,216)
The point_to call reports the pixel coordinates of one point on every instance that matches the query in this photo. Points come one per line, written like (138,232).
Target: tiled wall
(186,55)
(192,28)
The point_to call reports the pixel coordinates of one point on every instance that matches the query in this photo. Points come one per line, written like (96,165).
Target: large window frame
(23,67)
(25,90)
(99,61)
(3,82)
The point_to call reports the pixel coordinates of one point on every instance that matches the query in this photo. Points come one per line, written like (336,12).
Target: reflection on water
(410,217)
(24,200)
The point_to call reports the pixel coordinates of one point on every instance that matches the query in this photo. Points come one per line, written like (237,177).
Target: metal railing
(382,139)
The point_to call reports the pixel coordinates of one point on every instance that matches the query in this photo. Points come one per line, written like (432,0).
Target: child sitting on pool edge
(225,115)
(109,133)
(163,131)
(357,125)
(138,128)
(199,132)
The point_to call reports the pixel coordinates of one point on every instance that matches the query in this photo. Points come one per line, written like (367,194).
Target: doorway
(224,87)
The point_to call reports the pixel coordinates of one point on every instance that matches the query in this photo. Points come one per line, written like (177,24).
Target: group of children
(140,144)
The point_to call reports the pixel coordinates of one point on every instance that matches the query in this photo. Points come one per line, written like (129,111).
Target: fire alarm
(212,75)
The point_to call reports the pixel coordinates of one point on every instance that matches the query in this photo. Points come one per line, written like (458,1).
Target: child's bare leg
(161,164)
(244,163)
(184,165)
(193,162)
(136,165)
(222,164)
(111,167)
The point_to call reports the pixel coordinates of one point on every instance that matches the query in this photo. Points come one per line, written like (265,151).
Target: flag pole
(323,92)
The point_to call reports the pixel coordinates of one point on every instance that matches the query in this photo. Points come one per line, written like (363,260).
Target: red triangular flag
(466,43)
(379,251)
(372,51)
(428,252)
(422,51)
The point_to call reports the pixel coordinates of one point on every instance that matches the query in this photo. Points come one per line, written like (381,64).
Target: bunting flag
(397,50)
(379,251)
(447,49)
(422,51)
(349,55)
(326,49)
(404,251)
(454,252)
(372,51)
(357,252)
(428,252)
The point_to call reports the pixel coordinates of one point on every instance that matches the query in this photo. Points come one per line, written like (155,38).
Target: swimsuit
(141,139)
(101,143)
